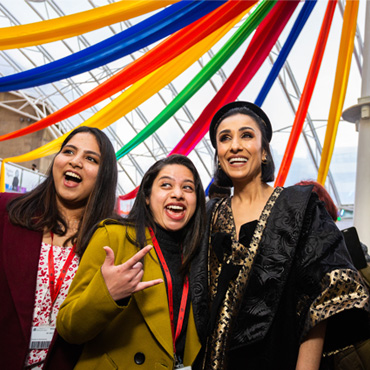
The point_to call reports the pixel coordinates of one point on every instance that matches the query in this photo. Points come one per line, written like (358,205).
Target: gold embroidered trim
(341,290)
(332,353)
(240,255)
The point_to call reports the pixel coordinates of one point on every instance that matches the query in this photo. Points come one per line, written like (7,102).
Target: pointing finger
(138,256)
(147,284)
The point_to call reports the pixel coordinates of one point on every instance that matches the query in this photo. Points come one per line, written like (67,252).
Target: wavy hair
(140,216)
(37,210)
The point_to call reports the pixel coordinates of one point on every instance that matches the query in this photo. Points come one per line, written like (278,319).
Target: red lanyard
(184,296)
(55,288)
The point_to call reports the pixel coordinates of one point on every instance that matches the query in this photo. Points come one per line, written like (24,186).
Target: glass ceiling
(280,104)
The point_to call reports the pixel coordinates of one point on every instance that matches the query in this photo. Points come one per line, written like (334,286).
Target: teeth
(239,159)
(72,174)
(179,208)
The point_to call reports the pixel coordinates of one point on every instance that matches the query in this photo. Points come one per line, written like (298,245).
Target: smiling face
(173,199)
(239,148)
(75,170)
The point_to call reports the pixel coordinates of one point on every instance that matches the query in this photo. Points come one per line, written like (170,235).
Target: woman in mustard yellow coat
(138,306)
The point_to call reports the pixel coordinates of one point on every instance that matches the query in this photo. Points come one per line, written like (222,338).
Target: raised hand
(125,279)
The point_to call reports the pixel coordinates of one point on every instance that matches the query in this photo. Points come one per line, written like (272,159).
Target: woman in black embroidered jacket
(283,292)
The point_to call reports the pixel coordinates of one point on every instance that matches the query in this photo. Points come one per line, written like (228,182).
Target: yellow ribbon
(76,24)
(340,86)
(134,96)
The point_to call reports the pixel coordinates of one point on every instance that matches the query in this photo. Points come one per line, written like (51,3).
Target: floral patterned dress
(44,313)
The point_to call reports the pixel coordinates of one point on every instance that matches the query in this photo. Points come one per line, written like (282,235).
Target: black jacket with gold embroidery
(263,303)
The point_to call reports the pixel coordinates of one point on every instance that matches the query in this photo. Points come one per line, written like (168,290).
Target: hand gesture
(125,279)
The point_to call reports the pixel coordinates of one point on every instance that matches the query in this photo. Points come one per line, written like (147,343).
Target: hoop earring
(219,165)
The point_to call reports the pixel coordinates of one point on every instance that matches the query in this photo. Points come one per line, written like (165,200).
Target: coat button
(139,358)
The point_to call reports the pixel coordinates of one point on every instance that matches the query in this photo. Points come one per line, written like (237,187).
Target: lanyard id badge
(41,337)
(180,365)
(184,297)
(55,283)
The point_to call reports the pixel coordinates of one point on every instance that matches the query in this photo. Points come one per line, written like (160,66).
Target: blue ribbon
(152,29)
(285,50)
(209,185)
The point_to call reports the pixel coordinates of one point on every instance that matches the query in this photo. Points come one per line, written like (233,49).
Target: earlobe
(147,201)
(264,157)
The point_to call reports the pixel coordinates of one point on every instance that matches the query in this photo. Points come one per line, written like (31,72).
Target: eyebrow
(164,177)
(85,151)
(240,130)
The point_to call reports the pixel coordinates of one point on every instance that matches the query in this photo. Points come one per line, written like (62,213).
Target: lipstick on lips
(176,211)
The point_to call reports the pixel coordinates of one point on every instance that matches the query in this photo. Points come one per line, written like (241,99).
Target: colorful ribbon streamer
(285,50)
(76,24)
(263,40)
(130,98)
(202,77)
(257,51)
(137,37)
(340,86)
(153,59)
(306,94)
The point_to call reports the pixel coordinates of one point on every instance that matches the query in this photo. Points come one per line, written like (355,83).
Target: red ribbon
(184,296)
(55,287)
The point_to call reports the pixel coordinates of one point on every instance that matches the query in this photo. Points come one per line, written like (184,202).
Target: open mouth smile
(72,176)
(175,208)
(175,212)
(238,160)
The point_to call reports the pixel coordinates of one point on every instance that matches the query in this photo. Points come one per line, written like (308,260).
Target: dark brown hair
(216,191)
(267,168)
(37,210)
(141,217)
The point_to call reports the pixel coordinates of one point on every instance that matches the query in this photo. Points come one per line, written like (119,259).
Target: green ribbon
(218,60)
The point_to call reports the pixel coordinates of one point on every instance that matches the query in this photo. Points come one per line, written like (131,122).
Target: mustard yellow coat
(120,337)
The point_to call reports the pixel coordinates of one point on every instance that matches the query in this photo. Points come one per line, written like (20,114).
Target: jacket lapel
(153,303)
(192,346)
(199,288)
(21,248)
(277,249)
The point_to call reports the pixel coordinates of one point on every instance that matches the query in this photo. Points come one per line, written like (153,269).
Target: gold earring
(264,160)
(219,165)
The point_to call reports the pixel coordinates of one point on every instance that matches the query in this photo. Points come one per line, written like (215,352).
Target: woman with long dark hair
(283,290)
(134,305)
(43,234)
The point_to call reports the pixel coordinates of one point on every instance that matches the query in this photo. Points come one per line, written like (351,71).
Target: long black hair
(38,210)
(267,167)
(141,217)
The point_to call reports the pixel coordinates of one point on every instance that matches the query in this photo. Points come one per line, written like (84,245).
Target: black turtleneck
(170,243)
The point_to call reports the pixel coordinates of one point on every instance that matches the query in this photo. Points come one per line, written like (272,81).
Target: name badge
(41,337)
